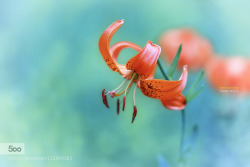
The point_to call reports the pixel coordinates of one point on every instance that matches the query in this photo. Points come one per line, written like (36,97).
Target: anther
(124,101)
(104,98)
(134,114)
(118,106)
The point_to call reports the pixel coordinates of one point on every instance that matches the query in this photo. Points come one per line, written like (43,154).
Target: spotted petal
(163,89)
(110,55)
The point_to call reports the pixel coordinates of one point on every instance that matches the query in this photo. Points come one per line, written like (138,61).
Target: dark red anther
(124,101)
(134,114)
(118,106)
(104,98)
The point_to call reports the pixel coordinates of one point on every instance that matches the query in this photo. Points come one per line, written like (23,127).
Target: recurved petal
(145,62)
(176,103)
(115,51)
(164,89)
(117,48)
(104,45)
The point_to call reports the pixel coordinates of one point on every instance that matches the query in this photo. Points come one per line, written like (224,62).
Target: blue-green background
(52,75)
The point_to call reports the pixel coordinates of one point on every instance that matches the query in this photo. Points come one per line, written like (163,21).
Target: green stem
(162,69)
(183,117)
(182,149)
(183,127)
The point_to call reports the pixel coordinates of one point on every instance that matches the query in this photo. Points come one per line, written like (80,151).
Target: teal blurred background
(52,75)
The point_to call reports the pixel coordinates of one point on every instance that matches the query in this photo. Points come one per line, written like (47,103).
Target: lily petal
(117,48)
(104,44)
(176,103)
(110,55)
(163,89)
(144,63)
(115,51)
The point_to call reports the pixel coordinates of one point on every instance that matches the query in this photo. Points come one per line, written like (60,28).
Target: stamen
(104,99)
(124,100)
(135,109)
(120,86)
(134,114)
(130,83)
(113,92)
(118,106)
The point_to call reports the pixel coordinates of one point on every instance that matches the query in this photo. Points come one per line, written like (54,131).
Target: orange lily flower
(196,50)
(230,74)
(140,69)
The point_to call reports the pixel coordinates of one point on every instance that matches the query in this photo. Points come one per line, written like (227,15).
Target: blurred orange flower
(229,73)
(196,50)
(140,69)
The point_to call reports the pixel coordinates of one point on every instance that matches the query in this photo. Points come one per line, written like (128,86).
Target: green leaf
(162,69)
(193,95)
(194,85)
(191,140)
(174,62)
(188,145)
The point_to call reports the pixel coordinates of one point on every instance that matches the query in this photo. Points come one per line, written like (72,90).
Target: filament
(126,79)
(130,83)
(113,92)
(134,93)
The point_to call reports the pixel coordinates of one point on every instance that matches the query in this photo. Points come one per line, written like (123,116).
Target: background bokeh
(52,75)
